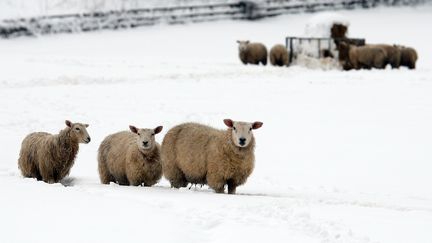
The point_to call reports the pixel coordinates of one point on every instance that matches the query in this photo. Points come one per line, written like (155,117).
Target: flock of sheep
(376,56)
(190,153)
(351,53)
(256,53)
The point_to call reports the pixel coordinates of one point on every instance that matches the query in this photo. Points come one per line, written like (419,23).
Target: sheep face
(79,131)
(243,45)
(146,137)
(241,132)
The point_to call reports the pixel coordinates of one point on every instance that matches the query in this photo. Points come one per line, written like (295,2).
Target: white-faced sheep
(130,158)
(50,157)
(199,154)
(253,53)
(279,55)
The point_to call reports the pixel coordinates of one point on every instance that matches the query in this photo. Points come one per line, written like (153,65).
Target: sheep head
(241,132)
(243,45)
(78,131)
(146,137)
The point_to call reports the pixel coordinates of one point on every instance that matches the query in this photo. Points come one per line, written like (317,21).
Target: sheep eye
(234,128)
(153,134)
(77,129)
(250,129)
(138,133)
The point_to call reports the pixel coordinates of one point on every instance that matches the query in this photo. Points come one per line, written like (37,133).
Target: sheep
(253,53)
(50,157)
(338,30)
(199,154)
(343,49)
(408,56)
(130,157)
(368,56)
(393,55)
(279,55)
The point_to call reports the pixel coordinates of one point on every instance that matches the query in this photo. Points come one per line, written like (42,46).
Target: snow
(10,9)
(320,24)
(342,156)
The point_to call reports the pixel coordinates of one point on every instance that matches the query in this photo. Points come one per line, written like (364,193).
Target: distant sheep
(364,57)
(199,154)
(393,55)
(253,53)
(130,158)
(279,55)
(338,30)
(50,157)
(408,57)
(343,47)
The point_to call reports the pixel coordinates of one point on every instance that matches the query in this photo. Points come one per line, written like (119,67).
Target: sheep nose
(242,141)
(145,143)
(88,140)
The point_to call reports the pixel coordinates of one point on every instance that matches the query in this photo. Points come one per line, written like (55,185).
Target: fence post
(249,9)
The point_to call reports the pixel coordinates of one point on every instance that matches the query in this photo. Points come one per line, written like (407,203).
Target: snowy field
(342,156)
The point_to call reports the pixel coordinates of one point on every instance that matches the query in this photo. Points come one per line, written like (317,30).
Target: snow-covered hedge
(22,17)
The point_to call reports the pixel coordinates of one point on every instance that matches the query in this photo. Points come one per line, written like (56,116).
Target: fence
(249,10)
(316,45)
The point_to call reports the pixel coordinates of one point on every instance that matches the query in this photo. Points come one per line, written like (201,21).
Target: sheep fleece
(254,54)
(367,57)
(279,56)
(120,160)
(47,157)
(200,154)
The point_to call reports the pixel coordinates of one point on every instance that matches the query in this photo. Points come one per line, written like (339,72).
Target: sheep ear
(158,129)
(86,125)
(68,123)
(257,125)
(133,129)
(247,42)
(229,122)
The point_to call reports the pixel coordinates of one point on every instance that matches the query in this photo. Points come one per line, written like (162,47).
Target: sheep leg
(28,166)
(104,174)
(134,175)
(216,184)
(175,176)
(47,174)
(133,179)
(231,186)
(123,181)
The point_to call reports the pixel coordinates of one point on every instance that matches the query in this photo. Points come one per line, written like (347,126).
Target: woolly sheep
(130,158)
(367,56)
(408,56)
(253,53)
(199,154)
(50,157)
(343,49)
(393,55)
(279,55)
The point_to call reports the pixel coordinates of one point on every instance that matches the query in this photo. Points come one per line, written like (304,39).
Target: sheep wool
(252,53)
(279,55)
(130,158)
(199,154)
(50,157)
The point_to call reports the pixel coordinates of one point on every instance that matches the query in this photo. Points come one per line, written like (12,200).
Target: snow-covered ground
(342,156)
